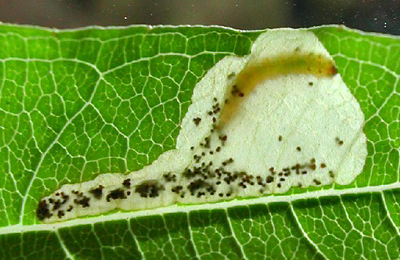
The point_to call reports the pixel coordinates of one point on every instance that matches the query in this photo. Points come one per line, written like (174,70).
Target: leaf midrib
(207,206)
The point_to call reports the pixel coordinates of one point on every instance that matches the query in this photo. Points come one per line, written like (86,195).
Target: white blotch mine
(292,130)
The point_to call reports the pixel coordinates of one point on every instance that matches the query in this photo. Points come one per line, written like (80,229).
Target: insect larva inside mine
(257,72)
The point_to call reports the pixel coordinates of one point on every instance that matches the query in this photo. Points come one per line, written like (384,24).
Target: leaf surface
(78,103)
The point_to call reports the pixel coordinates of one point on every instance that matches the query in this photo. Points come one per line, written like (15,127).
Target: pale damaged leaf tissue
(259,125)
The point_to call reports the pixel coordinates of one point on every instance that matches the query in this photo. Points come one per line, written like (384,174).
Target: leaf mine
(279,118)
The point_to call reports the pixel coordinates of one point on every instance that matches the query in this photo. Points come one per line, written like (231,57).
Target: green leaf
(78,103)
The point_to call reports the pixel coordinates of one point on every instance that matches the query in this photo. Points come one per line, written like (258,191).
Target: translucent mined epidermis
(258,70)
(258,125)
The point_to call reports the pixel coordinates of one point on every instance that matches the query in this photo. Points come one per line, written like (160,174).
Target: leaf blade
(79,52)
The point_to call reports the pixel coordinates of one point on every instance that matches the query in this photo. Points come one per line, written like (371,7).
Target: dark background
(368,15)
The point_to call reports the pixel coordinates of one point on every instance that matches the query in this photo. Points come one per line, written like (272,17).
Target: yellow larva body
(256,72)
